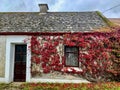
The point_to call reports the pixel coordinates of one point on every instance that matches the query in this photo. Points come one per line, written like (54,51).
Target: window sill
(71,69)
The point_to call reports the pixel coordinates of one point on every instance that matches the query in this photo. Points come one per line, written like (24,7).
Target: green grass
(71,86)
(9,86)
(3,86)
(63,86)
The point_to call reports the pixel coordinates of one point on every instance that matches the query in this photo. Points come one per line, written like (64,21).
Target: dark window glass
(20,53)
(71,55)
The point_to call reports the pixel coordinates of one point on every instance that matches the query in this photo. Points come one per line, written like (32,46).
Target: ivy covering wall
(99,54)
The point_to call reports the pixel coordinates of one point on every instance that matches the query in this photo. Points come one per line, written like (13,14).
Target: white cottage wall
(2,57)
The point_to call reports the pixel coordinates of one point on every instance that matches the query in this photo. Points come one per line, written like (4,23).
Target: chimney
(43,8)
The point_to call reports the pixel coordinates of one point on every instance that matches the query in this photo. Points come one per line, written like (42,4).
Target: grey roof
(50,21)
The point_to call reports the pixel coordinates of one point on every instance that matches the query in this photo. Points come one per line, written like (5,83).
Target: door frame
(11,41)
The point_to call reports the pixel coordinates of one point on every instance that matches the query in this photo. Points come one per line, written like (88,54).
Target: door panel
(20,63)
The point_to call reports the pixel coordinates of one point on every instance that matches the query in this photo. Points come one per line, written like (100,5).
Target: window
(71,56)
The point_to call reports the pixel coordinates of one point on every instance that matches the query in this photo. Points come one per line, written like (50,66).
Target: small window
(71,55)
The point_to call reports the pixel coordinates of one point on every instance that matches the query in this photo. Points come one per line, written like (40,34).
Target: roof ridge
(47,12)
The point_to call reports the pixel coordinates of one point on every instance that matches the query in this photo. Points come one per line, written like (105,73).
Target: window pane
(18,49)
(17,58)
(71,59)
(21,49)
(20,53)
(71,49)
(24,58)
(24,49)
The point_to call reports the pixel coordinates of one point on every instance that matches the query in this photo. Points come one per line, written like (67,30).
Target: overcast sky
(62,5)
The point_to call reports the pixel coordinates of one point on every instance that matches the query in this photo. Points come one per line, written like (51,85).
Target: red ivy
(95,52)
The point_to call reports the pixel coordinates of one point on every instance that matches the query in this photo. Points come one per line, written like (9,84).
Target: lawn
(62,86)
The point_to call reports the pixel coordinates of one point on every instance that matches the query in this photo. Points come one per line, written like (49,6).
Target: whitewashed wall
(2,55)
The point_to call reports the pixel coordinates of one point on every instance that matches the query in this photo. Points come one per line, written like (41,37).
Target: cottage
(32,48)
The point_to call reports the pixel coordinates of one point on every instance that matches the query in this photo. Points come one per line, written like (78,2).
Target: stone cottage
(18,61)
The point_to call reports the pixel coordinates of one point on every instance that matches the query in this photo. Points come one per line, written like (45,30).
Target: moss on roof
(109,23)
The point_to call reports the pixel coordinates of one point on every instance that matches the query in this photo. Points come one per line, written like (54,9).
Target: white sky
(62,6)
